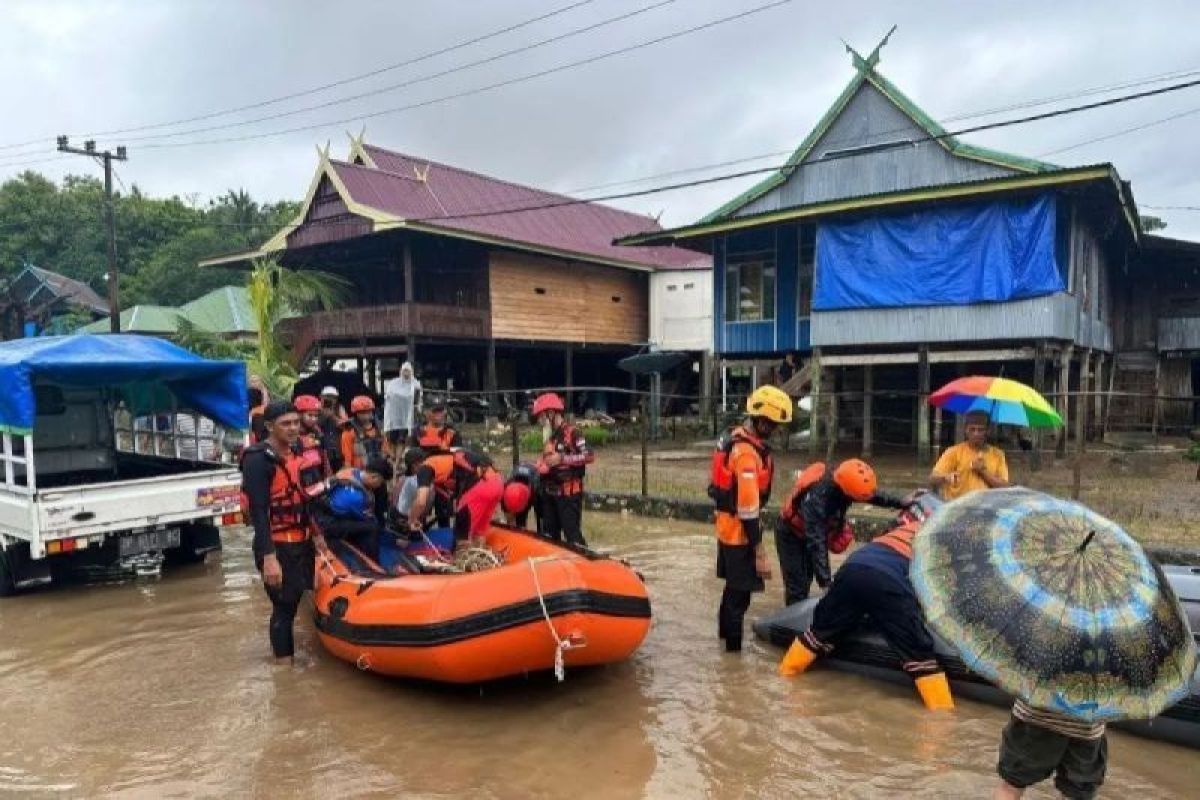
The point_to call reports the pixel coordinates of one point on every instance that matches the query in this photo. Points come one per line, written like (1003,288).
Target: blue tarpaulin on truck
(142,370)
(953,255)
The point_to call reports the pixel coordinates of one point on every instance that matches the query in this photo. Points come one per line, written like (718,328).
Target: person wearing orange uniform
(740,484)
(436,435)
(361,438)
(874,583)
(278,512)
(468,481)
(310,445)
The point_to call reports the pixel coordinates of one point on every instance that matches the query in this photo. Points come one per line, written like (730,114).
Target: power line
(331,85)
(489,87)
(566,201)
(413,81)
(1123,132)
(1172,208)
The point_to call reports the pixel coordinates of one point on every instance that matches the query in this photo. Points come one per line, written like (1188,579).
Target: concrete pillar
(868,411)
(814,417)
(923,451)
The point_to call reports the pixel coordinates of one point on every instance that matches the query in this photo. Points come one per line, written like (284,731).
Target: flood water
(165,689)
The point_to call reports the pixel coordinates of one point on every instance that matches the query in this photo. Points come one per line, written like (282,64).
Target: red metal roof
(441,196)
(71,289)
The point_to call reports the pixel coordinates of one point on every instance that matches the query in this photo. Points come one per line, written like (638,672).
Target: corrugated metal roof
(441,196)
(225,310)
(71,289)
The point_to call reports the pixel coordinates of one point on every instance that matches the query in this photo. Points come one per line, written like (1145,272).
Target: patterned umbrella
(1005,401)
(1053,603)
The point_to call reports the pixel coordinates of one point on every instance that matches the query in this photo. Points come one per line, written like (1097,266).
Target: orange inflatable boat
(547,606)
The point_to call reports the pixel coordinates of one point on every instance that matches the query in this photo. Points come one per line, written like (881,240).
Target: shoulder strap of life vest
(806,479)
(899,539)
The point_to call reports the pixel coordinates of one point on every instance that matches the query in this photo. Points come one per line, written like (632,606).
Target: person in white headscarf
(401,404)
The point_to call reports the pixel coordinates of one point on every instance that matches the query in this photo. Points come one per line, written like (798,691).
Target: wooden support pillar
(868,410)
(831,430)
(568,379)
(814,416)
(1157,392)
(490,379)
(1112,373)
(923,405)
(1097,412)
(1039,385)
(1063,400)
(960,420)
(706,384)
(1081,409)
(937,435)
(410,298)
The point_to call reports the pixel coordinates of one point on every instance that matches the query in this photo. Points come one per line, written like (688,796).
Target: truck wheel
(195,542)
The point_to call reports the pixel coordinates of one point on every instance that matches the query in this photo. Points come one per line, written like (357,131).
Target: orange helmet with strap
(856,479)
(547,402)
(361,403)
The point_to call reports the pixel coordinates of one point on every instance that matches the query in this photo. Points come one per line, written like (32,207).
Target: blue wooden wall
(787,331)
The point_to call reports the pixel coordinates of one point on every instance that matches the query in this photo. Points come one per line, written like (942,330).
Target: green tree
(274,291)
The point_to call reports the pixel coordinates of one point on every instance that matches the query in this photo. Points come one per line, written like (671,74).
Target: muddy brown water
(163,689)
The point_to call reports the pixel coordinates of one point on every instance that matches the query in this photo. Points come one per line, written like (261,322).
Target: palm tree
(276,291)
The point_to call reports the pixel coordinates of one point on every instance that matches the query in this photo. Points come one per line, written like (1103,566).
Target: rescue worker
(361,437)
(874,583)
(823,507)
(277,509)
(796,564)
(436,435)
(469,481)
(565,456)
(310,445)
(258,428)
(740,484)
(354,505)
(520,492)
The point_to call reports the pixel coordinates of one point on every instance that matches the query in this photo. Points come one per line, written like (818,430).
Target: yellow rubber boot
(935,691)
(797,659)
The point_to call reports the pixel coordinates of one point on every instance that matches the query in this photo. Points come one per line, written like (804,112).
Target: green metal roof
(225,310)
(140,319)
(865,72)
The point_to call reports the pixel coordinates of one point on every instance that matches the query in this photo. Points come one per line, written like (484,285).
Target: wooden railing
(373,323)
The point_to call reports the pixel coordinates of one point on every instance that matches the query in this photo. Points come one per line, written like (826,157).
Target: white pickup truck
(83,493)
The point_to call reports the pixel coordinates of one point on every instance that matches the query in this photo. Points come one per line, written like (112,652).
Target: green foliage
(1193,452)
(531,441)
(1152,223)
(159,240)
(596,436)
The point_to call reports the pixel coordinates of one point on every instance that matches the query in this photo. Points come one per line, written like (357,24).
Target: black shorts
(1029,754)
(297,560)
(735,566)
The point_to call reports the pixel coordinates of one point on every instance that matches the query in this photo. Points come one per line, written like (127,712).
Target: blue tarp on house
(954,255)
(146,372)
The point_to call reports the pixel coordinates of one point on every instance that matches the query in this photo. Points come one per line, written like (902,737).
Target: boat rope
(561,645)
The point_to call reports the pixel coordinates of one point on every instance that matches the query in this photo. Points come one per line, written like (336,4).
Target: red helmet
(306,403)
(361,403)
(856,479)
(516,497)
(547,402)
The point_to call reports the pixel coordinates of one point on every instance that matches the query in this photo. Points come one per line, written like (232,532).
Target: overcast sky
(749,87)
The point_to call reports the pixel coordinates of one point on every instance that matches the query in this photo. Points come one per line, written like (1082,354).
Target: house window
(750,287)
(807,263)
(689,286)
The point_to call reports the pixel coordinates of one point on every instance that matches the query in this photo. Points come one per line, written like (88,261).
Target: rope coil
(561,645)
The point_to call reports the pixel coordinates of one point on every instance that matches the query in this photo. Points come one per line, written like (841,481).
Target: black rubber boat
(866,653)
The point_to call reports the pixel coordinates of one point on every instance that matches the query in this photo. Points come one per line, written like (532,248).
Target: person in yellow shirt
(970,466)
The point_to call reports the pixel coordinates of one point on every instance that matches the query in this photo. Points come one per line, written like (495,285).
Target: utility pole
(89,149)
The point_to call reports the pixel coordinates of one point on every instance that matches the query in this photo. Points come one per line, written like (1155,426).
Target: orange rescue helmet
(856,479)
(306,403)
(361,403)
(547,402)
(516,497)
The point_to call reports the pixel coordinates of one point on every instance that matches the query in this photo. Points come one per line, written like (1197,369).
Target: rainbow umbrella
(1005,401)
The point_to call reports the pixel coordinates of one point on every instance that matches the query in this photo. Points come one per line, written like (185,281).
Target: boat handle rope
(561,645)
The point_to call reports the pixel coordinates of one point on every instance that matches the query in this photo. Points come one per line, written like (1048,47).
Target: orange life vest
(442,465)
(288,514)
(433,439)
(722,483)
(807,479)
(368,443)
(900,539)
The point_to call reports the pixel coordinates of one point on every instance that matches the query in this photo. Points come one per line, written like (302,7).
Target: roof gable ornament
(867,64)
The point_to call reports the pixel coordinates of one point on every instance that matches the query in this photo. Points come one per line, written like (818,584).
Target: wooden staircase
(1134,374)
